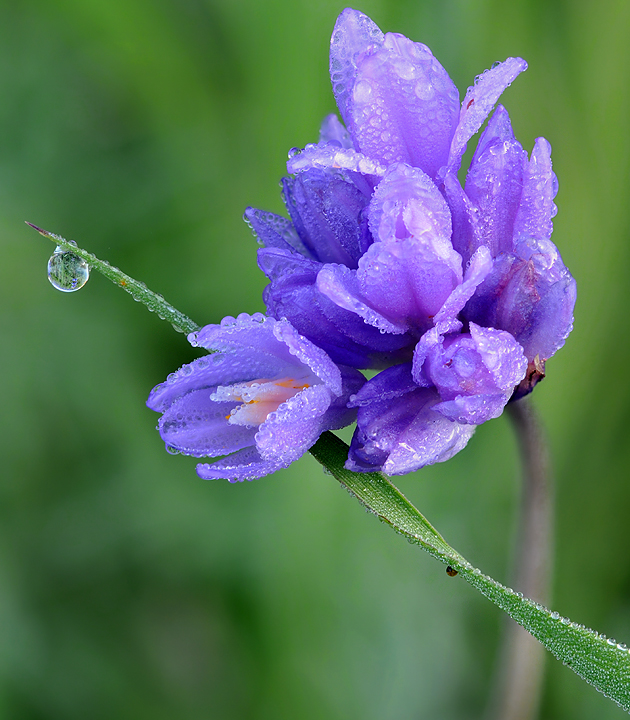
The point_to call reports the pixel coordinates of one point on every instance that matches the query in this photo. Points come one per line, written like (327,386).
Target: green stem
(138,290)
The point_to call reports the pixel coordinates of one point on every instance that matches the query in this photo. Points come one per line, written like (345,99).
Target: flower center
(259,398)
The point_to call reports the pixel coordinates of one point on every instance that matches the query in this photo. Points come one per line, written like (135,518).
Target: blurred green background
(129,588)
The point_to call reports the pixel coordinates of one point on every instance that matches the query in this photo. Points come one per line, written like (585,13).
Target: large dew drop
(66,271)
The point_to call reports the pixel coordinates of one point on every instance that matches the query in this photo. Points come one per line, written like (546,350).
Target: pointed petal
(332,131)
(479,268)
(341,285)
(404,106)
(274,230)
(310,355)
(354,34)
(479,101)
(465,238)
(537,208)
(495,183)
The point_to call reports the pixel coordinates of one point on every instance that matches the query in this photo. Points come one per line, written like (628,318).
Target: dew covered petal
(532,299)
(195,425)
(495,183)
(246,464)
(341,285)
(264,384)
(332,157)
(309,355)
(408,203)
(333,131)
(327,211)
(537,208)
(404,107)
(275,231)
(407,281)
(290,431)
(210,371)
(465,238)
(354,34)
(403,433)
(479,101)
(472,409)
(293,293)
(477,271)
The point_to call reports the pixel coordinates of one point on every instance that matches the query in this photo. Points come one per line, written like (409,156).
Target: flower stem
(138,290)
(521,659)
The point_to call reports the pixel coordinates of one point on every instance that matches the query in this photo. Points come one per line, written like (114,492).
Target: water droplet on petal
(66,271)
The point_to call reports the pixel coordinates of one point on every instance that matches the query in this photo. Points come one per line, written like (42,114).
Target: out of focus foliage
(129,588)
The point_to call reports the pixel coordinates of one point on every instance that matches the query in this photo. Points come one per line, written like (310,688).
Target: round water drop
(66,271)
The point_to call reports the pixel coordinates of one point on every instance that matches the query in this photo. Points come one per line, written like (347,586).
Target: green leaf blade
(600,661)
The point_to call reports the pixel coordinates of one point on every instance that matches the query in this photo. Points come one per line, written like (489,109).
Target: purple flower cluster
(456,294)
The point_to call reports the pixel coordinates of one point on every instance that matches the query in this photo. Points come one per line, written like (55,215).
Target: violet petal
(333,157)
(291,430)
(245,464)
(495,182)
(404,106)
(348,340)
(333,131)
(195,425)
(479,101)
(273,230)
(408,203)
(540,186)
(403,434)
(327,212)
(354,33)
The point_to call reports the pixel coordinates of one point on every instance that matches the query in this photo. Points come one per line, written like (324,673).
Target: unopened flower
(261,399)
(387,262)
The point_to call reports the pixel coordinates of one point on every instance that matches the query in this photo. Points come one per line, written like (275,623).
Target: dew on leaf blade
(67,272)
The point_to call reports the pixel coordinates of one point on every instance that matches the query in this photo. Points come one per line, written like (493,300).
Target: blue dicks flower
(388,262)
(261,399)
